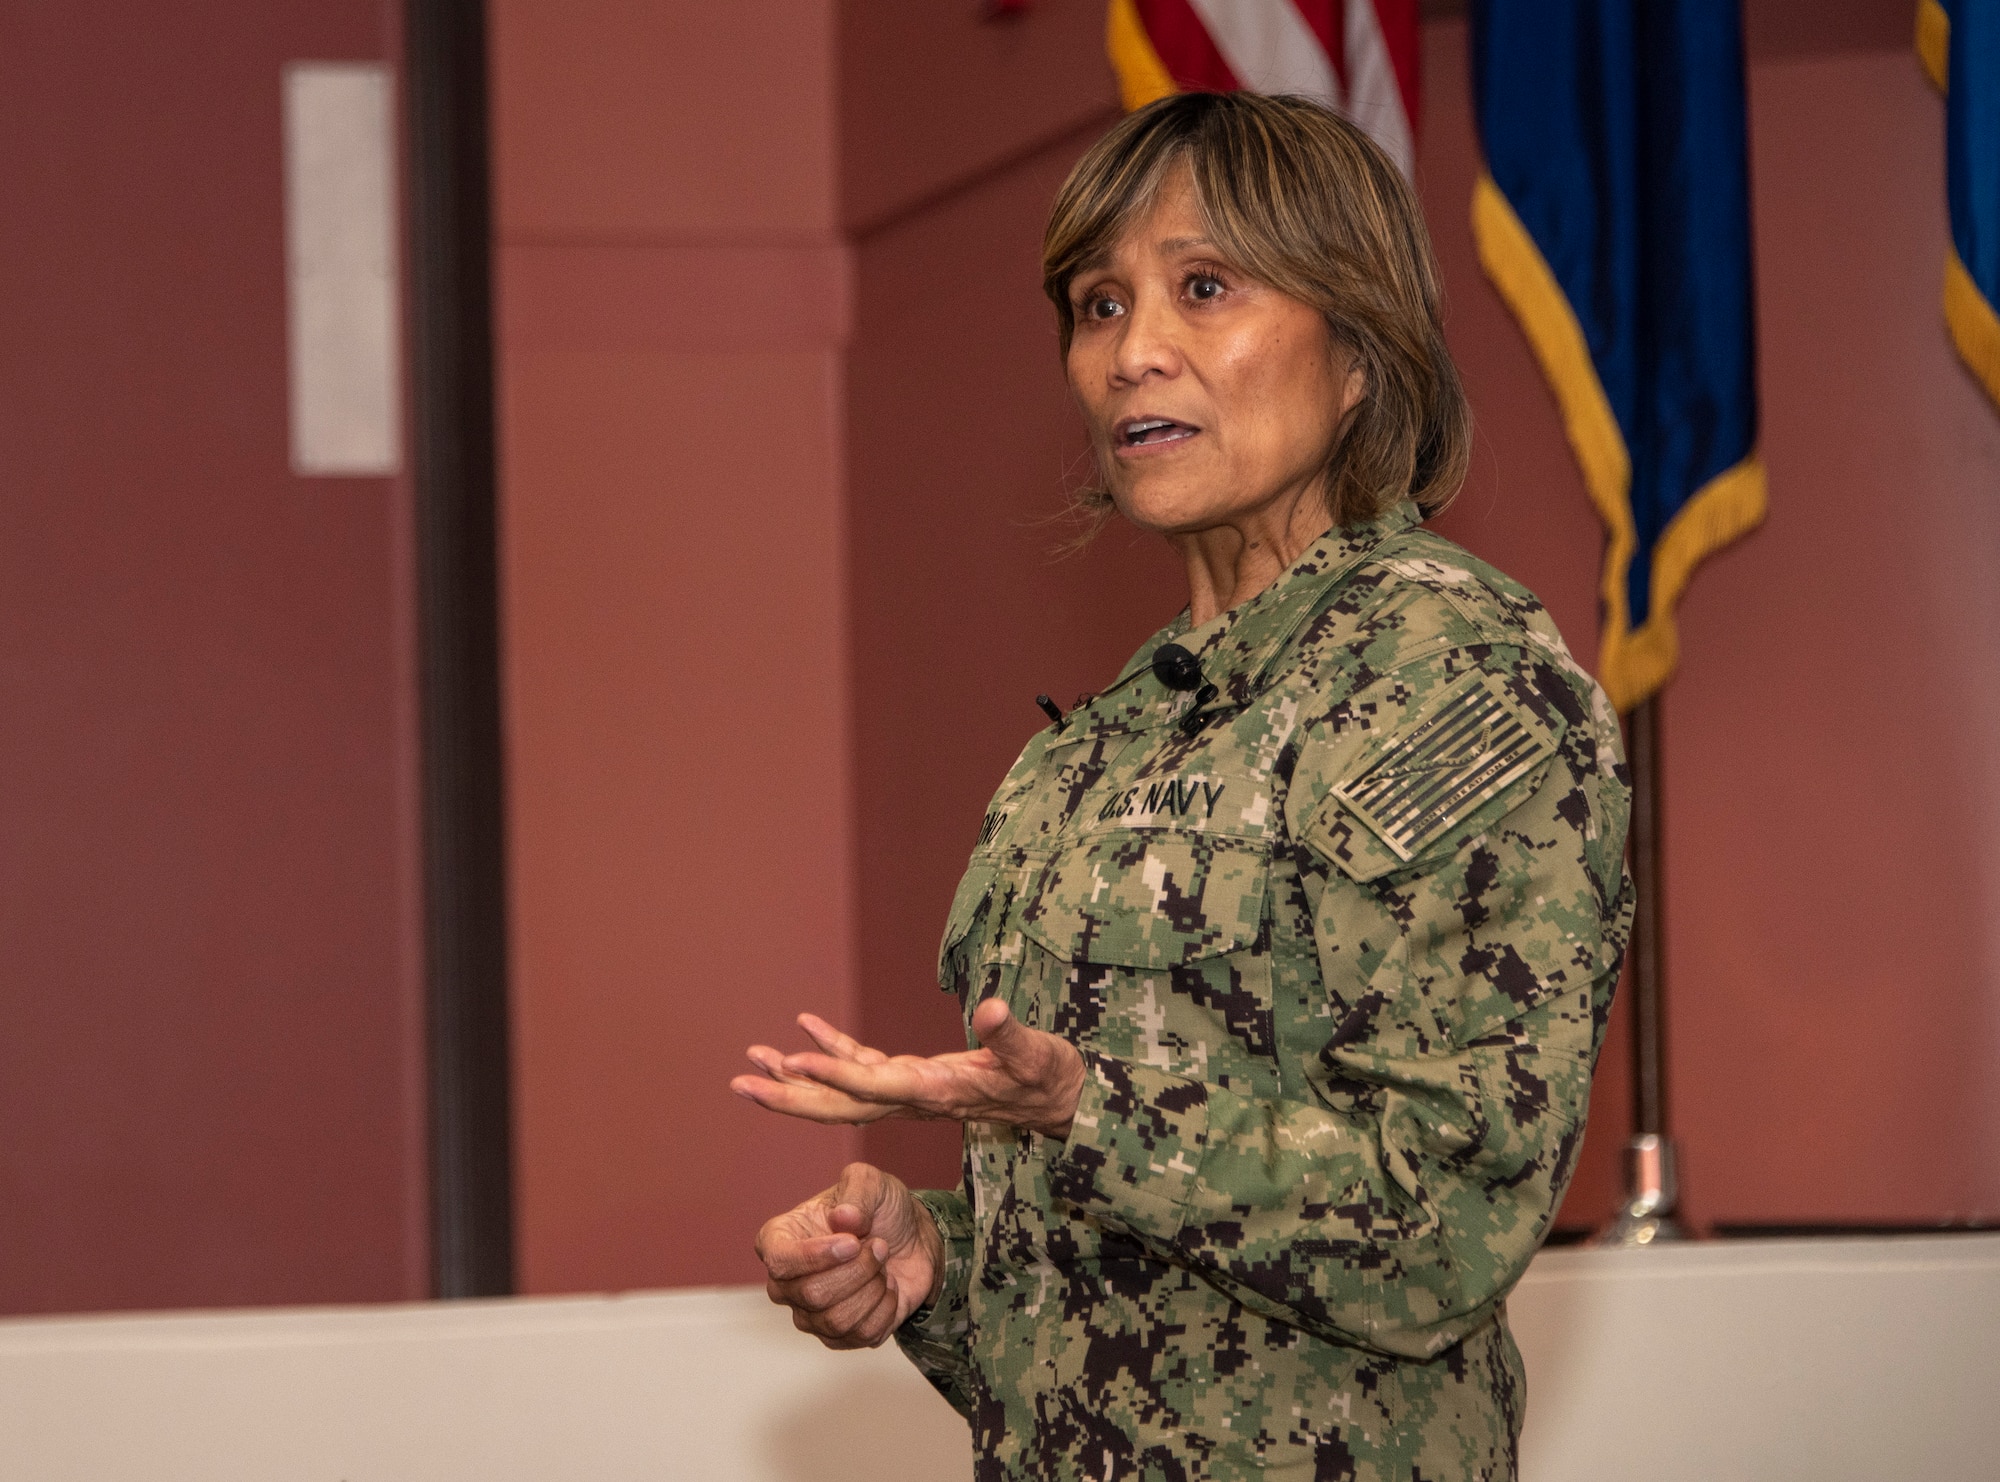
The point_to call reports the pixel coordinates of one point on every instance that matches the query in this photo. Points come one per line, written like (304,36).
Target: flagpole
(1651,1188)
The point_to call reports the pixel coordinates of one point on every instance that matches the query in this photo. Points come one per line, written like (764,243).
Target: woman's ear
(1350,370)
(1354,387)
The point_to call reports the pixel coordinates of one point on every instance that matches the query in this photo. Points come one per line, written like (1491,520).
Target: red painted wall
(961,445)
(673,301)
(1784,970)
(784,427)
(1833,852)
(962,441)
(1834,1005)
(210,1070)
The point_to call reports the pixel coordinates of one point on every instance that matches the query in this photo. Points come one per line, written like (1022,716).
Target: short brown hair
(1301,199)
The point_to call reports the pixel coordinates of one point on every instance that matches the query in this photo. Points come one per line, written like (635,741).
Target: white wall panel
(340,250)
(709,1386)
(1827,1361)
(1778,1361)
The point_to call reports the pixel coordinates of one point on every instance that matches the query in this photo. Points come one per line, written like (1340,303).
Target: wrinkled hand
(1018,1076)
(854,1262)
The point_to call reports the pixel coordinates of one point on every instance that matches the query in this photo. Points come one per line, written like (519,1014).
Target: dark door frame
(464,823)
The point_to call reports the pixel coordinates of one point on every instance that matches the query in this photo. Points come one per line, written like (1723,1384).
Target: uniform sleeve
(936,1337)
(1398,1190)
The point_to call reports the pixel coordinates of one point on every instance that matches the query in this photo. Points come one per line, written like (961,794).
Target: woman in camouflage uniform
(1286,959)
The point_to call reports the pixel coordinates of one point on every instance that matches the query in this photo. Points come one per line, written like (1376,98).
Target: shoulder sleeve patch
(1454,763)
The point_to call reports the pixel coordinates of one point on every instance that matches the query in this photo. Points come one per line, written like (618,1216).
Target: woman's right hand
(855,1261)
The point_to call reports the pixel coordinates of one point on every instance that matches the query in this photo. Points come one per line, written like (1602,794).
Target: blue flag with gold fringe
(1614,218)
(1959,41)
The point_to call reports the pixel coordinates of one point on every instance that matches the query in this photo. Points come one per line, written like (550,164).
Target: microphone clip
(1178,669)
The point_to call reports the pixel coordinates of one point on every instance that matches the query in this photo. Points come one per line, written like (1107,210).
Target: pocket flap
(1150,898)
(970,907)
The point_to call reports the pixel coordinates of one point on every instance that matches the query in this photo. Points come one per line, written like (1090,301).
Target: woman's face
(1212,399)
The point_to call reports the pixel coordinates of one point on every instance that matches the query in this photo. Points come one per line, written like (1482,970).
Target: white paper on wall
(340,268)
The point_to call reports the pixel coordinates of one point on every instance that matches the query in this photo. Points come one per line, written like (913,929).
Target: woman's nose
(1148,343)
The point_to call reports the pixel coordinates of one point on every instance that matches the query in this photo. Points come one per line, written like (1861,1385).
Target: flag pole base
(1651,1192)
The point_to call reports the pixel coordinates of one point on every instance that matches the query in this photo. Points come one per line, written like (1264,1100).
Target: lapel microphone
(1178,669)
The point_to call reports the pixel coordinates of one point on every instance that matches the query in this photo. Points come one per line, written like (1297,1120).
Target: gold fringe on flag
(1975,328)
(1142,77)
(1934,42)
(1632,665)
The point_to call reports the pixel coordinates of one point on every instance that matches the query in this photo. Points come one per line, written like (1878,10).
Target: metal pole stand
(1647,1216)
(1652,1189)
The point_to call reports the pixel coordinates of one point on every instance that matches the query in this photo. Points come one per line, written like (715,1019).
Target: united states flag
(1359,56)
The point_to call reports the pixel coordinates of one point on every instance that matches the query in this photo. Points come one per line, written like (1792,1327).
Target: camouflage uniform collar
(1237,647)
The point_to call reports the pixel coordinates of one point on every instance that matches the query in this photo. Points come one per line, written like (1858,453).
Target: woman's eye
(1202,287)
(1101,308)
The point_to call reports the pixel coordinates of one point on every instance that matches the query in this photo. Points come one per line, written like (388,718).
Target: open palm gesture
(1018,1076)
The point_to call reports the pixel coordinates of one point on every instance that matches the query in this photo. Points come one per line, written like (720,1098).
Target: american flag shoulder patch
(1461,749)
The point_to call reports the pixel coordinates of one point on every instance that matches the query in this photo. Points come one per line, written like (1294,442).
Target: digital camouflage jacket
(1338,947)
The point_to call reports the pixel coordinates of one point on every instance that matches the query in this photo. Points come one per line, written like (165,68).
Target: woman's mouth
(1135,433)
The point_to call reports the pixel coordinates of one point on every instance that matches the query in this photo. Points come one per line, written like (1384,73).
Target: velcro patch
(1462,748)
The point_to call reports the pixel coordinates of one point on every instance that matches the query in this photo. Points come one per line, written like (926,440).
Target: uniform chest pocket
(979,936)
(1161,945)
(970,907)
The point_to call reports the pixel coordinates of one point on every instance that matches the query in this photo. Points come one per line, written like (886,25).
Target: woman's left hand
(1018,1076)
